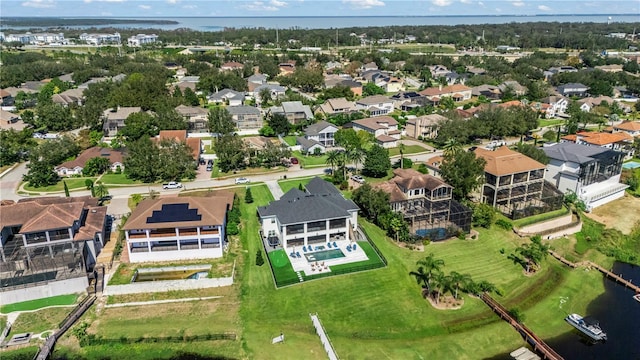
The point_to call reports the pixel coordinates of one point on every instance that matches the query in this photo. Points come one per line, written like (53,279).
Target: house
(383,128)
(318,215)
(287,68)
(275,91)
(591,172)
(426,203)
(458,92)
(617,141)
(438,71)
(256,80)
(6,99)
(514,183)
(100,39)
(425,126)
(48,245)
(556,105)
(68,97)
(354,86)
(113,119)
(258,143)
(588,103)
(454,78)
(142,39)
(75,166)
(190,79)
(178,228)
(433,164)
(573,89)
(369,66)
(227,96)
(489,91)
(9,120)
(332,80)
(518,90)
(405,100)
(336,106)
(375,105)
(630,127)
(294,111)
(183,85)
(393,84)
(196,116)
(246,117)
(318,136)
(232,66)
(181,136)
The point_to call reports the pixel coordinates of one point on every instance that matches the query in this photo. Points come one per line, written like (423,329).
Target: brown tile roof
(375,123)
(504,161)
(412,179)
(114,156)
(436,91)
(55,216)
(511,103)
(181,136)
(212,210)
(385,138)
(4,93)
(629,126)
(94,223)
(232,65)
(391,188)
(601,138)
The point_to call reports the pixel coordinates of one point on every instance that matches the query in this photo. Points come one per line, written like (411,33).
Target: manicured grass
(287,185)
(249,171)
(72,184)
(39,321)
(19,354)
(40,303)
(310,161)
(290,140)
(540,217)
(550,122)
(118,179)
(408,150)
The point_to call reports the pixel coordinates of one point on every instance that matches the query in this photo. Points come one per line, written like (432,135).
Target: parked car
(210,162)
(357,178)
(202,162)
(172,185)
(294,161)
(242,180)
(209,167)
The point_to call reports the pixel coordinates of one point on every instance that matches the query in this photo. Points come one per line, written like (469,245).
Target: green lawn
(39,321)
(290,140)
(40,303)
(310,161)
(118,179)
(287,185)
(408,150)
(19,354)
(72,184)
(540,217)
(550,122)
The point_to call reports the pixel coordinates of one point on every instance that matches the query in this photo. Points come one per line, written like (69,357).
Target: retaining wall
(54,288)
(167,285)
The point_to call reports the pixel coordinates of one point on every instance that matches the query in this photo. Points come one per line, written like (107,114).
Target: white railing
(326,343)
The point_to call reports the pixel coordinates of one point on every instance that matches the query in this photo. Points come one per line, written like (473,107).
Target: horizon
(308,16)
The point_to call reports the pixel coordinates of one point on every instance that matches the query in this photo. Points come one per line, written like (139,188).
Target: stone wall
(167,285)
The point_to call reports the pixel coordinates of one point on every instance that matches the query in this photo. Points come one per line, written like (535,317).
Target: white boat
(588,327)
(637,297)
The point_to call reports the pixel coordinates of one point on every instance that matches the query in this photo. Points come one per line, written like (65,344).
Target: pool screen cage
(440,225)
(549,200)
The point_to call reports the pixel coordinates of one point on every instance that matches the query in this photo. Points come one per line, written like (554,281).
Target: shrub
(259,258)
(88,183)
(426,242)
(483,215)
(248,197)
(516,314)
(504,223)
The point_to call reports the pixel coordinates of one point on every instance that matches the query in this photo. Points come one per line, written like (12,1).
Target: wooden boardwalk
(529,336)
(615,277)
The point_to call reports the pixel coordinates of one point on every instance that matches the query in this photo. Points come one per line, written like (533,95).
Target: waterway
(322,22)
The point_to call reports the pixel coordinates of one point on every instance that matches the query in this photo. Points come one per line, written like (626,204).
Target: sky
(230,8)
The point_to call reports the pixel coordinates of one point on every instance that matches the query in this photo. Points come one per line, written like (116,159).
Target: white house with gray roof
(227,96)
(376,105)
(246,117)
(318,215)
(275,91)
(318,136)
(294,111)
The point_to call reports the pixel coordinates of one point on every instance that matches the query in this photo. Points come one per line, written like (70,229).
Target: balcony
(138,236)
(188,232)
(208,232)
(162,233)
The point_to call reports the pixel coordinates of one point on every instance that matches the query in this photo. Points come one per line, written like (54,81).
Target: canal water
(619,316)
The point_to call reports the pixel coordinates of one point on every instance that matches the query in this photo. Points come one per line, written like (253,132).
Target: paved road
(9,182)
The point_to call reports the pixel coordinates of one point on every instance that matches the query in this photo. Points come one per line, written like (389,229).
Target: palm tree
(441,283)
(486,286)
(401,148)
(457,280)
(421,276)
(355,156)
(431,265)
(333,157)
(100,190)
(452,146)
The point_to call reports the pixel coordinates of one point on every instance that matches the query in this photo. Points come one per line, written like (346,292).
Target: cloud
(363,4)
(544,8)
(480,3)
(108,1)
(517,3)
(39,4)
(441,2)
(172,2)
(278,3)
(466,1)
(259,6)
(144,7)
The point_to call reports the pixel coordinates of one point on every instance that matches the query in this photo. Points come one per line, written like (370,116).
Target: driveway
(10,181)
(275,189)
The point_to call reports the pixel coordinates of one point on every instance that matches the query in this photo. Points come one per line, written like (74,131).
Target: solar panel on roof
(174,213)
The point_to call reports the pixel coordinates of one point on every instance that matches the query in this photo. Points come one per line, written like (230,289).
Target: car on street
(294,161)
(357,178)
(242,180)
(172,185)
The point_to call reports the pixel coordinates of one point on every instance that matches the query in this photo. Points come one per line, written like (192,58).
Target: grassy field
(290,140)
(39,321)
(310,161)
(72,184)
(287,185)
(550,122)
(40,303)
(408,150)
(118,179)
(19,354)
(219,267)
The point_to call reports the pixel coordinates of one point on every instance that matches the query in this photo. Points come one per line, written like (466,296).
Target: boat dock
(617,278)
(529,336)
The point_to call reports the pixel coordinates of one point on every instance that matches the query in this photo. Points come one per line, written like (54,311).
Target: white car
(242,180)
(357,178)
(172,185)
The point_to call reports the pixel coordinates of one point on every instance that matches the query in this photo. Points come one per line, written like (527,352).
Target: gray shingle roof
(315,129)
(581,154)
(243,110)
(297,207)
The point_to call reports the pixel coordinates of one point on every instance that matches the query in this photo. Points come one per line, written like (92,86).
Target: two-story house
(573,89)
(47,246)
(318,215)
(375,105)
(457,92)
(246,117)
(555,105)
(196,116)
(426,203)
(425,126)
(275,91)
(178,228)
(69,97)
(406,100)
(318,136)
(294,111)
(383,128)
(591,172)
(336,106)
(232,66)
(617,141)
(512,181)
(630,127)
(256,80)
(113,119)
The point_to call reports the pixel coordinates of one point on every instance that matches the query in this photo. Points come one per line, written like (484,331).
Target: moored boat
(587,326)
(637,297)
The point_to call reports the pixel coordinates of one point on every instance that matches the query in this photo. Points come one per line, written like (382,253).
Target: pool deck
(302,265)
(631,165)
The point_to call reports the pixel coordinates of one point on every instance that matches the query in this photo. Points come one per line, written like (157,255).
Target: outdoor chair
(304,249)
(349,248)
(334,245)
(298,255)
(329,245)
(353,246)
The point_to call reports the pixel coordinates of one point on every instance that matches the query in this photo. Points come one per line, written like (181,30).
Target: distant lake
(219,23)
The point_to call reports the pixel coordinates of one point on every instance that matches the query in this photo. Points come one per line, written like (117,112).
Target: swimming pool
(631,165)
(324,255)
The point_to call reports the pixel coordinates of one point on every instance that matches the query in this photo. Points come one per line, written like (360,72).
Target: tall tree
(464,171)
(139,125)
(231,152)
(280,124)
(220,121)
(377,163)
(176,159)
(142,161)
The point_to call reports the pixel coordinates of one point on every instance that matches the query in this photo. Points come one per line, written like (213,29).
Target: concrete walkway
(275,189)
(154,302)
